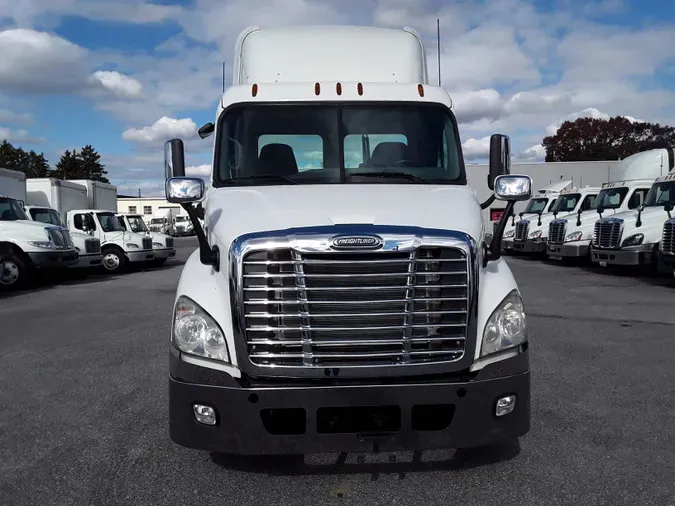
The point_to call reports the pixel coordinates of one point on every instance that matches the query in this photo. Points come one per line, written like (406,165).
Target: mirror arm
(494,253)
(207,256)
(579,218)
(488,202)
(539,219)
(638,222)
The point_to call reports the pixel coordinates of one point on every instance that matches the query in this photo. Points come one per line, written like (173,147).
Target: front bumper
(85,261)
(140,255)
(633,255)
(282,417)
(529,246)
(576,249)
(49,259)
(507,244)
(164,253)
(668,259)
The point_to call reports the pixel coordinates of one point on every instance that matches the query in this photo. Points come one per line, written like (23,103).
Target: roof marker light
(420,90)
(338,88)
(317,89)
(359,88)
(254,90)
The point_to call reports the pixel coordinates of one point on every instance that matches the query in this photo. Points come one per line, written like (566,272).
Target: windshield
(50,216)
(109,222)
(319,143)
(157,221)
(536,205)
(137,224)
(610,198)
(180,219)
(661,194)
(567,203)
(11,210)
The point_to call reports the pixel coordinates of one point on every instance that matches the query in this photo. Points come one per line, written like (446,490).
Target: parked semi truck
(162,244)
(344,298)
(119,247)
(570,238)
(49,200)
(632,238)
(531,235)
(183,225)
(540,205)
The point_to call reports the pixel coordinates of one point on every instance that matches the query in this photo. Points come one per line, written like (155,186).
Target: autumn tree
(30,163)
(588,139)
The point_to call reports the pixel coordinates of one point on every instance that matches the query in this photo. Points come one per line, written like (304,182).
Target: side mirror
(500,158)
(206,130)
(513,188)
(174,159)
(184,190)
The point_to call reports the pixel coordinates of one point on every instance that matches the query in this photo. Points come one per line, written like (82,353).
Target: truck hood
(25,227)
(545,220)
(123,236)
(651,215)
(232,212)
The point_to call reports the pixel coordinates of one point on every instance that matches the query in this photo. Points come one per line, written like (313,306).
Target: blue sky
(125,75)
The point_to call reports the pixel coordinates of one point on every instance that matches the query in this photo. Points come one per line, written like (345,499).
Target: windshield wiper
(396,175)
(261,177)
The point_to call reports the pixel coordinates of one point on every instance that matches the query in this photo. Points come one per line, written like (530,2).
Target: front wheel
(15,273)
(113,260)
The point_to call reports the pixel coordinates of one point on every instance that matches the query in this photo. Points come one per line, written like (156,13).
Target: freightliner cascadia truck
(343,297)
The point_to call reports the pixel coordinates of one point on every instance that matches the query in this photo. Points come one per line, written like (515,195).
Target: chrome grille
(521,230)
(147,243)
(339,309)
(169,242)
(668,237)
(607,233)
(92,246)
(556,231)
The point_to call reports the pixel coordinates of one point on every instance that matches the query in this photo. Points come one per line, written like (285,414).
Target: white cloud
(118,84)
(474,149)
(19,136)
(7,116)
(534,153)
(198,170)
(161,130)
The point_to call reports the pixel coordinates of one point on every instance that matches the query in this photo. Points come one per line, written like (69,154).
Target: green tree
(616,138)
(91,164)
(69,166)
(38,166)
(30,163)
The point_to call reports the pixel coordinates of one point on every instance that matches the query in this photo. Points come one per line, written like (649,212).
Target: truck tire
(114,260)
(659,267)
(15,272)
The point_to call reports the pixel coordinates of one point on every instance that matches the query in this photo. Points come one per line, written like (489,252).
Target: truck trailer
(343,297)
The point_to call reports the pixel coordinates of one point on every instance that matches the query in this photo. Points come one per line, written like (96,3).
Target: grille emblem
(368,242)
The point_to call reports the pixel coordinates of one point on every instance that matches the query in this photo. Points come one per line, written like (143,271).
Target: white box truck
(570,238)
(24,244)
(344,298)
(100,196)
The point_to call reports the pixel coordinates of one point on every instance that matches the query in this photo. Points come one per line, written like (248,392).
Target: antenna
(223,77)
(438,43)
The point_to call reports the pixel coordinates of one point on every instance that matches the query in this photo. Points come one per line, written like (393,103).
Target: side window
(552,205)
(354,147)
(122,223)
(637,198)
(588,202)
(79,221)
(307,149)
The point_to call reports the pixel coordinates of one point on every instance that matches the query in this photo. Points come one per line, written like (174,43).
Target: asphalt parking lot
(83,406)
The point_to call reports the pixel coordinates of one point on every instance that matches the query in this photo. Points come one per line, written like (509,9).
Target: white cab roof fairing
(556,187)
(667,177)
(329,53)
(644,165)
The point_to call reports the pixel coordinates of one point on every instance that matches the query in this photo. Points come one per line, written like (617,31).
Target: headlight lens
(506,327)
(536,234)
(195,332)
(41,244)
(633,240)
(132,245)
(574,236)
(509,233)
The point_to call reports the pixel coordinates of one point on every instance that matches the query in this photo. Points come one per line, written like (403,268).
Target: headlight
(536,234)
(132,245)
(196,333)
(633,240)
(574,236)
(506,327)
(157,245)
(509,233)
(41,244)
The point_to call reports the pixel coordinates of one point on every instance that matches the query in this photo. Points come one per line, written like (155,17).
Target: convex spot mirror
(184,190)
(174,159)
(513,188)
(500,158)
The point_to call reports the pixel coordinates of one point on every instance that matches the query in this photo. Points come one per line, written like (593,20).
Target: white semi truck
(344,298)
(162,221)
(162,244)
(570,238)
(49,200)
(531,236)
(540,205)
(119,247)
(24,244)
(632,238)
(183,225)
